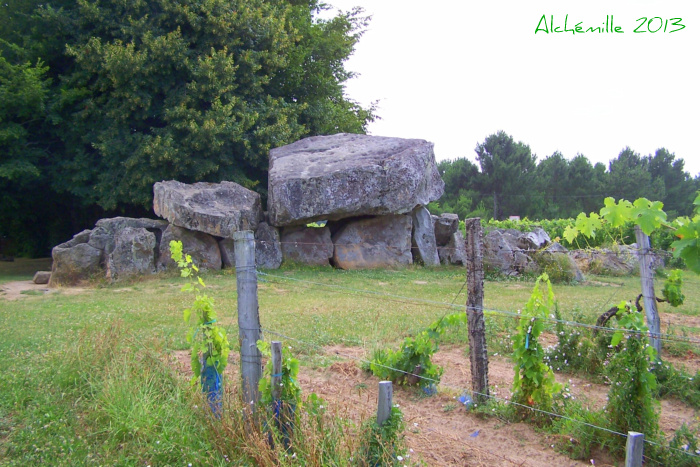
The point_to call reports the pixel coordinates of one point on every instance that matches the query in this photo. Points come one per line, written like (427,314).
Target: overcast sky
(454,72)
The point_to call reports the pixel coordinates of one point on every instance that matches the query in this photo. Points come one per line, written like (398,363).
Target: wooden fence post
(475,311)
(276,378)
(634,452)
(646,272)
(248,318)
(384,402)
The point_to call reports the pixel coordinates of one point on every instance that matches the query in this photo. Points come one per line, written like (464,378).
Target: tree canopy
(557,187)
(100,99)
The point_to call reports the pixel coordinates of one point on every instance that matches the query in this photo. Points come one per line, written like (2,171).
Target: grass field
(84,375)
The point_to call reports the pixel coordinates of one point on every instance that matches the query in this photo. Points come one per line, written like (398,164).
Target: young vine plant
(534,383)
(212,345)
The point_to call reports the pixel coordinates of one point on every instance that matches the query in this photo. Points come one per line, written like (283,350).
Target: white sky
(453,72)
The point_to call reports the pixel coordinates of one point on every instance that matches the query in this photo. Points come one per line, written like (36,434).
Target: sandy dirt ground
(439,430)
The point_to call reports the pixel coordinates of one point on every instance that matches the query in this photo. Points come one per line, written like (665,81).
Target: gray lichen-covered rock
(268,250)
(215,208)
(42,277)
(444,226)
(203,248)
(455,251)
(72,264)
(423,238)
(533,240)
(502,253)
(346,175)
(80,237)
(620,261)
(307,245)
(103,236)
(133,254)
(379,242)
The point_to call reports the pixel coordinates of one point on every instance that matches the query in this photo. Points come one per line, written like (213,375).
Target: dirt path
(21,289)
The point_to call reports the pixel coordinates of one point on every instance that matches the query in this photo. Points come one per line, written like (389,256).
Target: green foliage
(505,168)
(677,383)
(23,90)
(534,383)
(649,216)
(556,265)
(672,288)
(290,392)
(415,355)
(99,100)
(631,404)
(213,345)
(383,445)
(685,448)
(577,432)
(574,349)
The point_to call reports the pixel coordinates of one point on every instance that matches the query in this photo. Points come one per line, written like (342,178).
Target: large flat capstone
(345,175)
(214,208)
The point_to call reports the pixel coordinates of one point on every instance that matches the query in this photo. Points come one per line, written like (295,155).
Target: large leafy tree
(506,173)
(551,180)
(680,189)
(629,178)
(462,196)
(142,91)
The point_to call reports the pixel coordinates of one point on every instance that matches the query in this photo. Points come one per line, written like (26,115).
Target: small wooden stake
(478,353)
(646,273)
(248,318)
(635,449)
(276,379)
(384,402)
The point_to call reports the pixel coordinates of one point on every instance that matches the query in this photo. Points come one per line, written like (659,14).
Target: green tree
(679,187)
(507,170)
(552,183)
(586,184)
(629,178)
(140,91)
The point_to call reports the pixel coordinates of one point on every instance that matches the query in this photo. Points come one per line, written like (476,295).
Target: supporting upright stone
(378,242)
(423,238)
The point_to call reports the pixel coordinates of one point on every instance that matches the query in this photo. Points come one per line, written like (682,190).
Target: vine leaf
(648,215)
(616,213)
(688,247)
(588,225)
(570,233)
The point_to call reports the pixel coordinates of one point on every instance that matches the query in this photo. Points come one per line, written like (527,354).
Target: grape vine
(213,345)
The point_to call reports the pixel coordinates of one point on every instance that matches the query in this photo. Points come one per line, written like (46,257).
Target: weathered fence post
(475,311)
(384,402)
(646,273)
(248,318)
(634,453)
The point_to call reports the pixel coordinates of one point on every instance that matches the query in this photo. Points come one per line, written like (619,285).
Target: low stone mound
(511,252)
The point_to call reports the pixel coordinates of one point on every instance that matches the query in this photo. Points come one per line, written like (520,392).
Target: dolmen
(347,200)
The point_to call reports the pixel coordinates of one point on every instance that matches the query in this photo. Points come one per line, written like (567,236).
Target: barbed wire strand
(545,249)
(486,310)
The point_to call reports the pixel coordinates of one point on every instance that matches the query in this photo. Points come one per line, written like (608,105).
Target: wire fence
(414,301)
(442,305)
